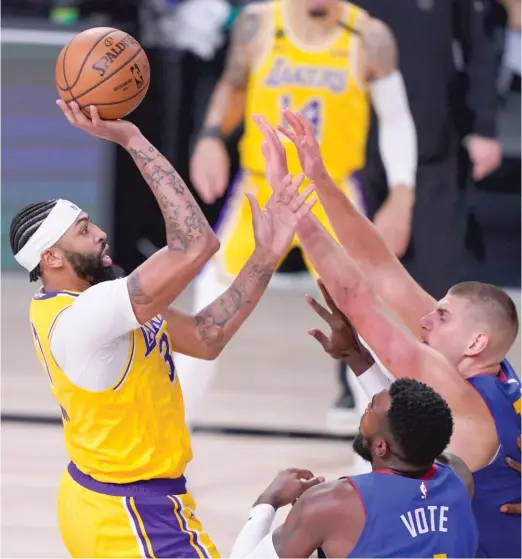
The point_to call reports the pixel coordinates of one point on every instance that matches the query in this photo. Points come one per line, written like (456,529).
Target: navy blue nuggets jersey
(415,517)
(497,483)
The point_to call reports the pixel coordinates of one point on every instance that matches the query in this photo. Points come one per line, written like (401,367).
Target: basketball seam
(83,63)
(76,97)
(123,100)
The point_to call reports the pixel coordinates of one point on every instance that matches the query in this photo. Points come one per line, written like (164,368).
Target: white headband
(62,216)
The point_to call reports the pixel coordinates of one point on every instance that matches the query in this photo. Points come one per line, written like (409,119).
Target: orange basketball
(105,67)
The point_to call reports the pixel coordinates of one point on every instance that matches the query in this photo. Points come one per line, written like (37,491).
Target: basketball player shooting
(408,506)
(457,346)
(329,59)
(106,344)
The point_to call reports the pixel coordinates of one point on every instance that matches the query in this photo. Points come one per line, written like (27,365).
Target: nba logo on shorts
(424,491)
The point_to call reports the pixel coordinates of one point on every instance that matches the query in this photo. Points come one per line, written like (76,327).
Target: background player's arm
(227,104)
(210,164)
(207,333)
(397,132)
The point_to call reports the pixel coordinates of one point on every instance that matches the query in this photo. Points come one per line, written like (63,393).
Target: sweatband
(397,132)
(62,216)
(374,380)
(256,528)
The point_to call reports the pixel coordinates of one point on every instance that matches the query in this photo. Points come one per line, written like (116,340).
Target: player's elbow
(202,252)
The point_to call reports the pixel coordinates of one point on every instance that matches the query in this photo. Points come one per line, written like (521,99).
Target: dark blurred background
(42,157)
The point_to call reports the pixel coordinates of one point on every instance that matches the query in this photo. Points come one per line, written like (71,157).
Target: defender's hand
(274,153)
(303,137)
(209,169)
(343,342)
(119,131)
(275,225)
(287,487)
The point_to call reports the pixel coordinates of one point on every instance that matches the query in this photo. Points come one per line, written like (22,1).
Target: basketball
(104,67)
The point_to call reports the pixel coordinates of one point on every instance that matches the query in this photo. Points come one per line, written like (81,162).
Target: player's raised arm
(208,332)
(190,239)
(399,351)
(209,165)
(358,235)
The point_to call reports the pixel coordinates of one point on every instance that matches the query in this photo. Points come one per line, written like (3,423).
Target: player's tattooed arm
(226,107)
(244,35)
(219,321)
(379,49)
(206,334)
(184,221)
(190,239)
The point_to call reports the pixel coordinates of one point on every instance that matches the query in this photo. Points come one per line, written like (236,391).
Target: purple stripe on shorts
(163,529)
(230,195)
(149,487)
(137,527)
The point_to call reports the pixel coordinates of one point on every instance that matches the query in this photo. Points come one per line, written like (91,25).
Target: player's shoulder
(375,30)
(332,495)
(252,25)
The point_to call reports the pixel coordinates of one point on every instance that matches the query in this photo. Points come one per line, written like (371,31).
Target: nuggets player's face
(450,328)
(373,423)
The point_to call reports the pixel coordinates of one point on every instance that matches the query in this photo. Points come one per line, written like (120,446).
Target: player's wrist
(266,257)
(134,140)
(211,133)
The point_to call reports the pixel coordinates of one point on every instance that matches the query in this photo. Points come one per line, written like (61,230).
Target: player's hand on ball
(303,137)
(275,225)
(209,169)
(288,486)
(343,342)
(119,131)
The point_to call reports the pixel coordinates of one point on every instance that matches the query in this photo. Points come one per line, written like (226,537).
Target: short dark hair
(24,225)
(419,420)
(495,303)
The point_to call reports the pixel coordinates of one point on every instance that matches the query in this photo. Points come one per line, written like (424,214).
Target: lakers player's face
(450,327)
(370,440)
(85,249)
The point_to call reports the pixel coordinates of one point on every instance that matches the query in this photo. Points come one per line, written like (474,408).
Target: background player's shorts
(145,519)
(235,223)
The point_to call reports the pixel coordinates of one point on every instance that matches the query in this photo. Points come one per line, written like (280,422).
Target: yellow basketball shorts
(153,518)
(235,224)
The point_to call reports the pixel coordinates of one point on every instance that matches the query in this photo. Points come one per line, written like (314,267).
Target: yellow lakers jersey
(322,83)
(133,431)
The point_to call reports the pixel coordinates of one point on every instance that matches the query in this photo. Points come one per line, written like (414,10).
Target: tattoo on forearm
(184,220)
(136,293)
(245,31)
(235,302)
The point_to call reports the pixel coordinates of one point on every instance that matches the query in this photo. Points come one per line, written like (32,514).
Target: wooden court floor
(272,376)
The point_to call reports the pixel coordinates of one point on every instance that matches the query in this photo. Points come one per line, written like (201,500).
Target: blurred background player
(330,60)
(408,506)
